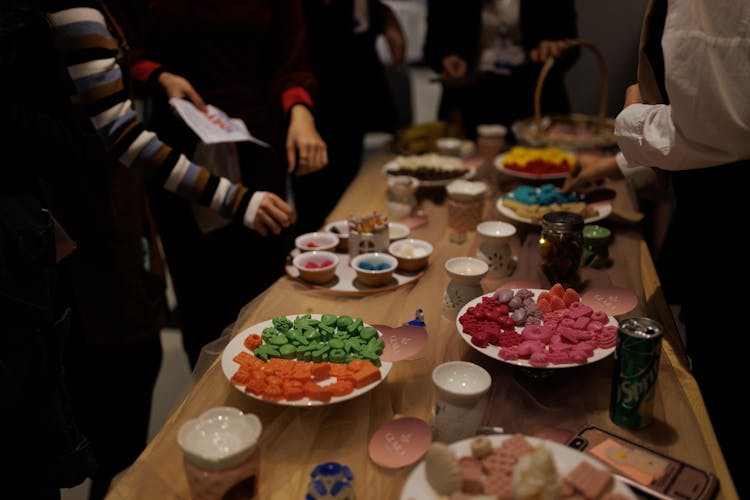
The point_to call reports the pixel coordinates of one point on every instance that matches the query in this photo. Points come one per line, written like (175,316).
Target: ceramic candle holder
(494,247)
(461,400)
(466,273)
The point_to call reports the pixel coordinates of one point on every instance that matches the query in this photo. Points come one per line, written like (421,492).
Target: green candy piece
(343,322)
(355,327)
(337,356)
(327,329)
(288,351)
(336,343)
(368,332)
(268,333)
(300,339)
(322,350)
(328,320)
(281,323)
(312,334)
(279,340)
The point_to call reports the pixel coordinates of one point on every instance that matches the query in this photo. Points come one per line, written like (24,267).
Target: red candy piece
(327,263)
(570,296)
(311,265)
(311,245)
(480,339)
(557,303)
(508,338)
(543,305)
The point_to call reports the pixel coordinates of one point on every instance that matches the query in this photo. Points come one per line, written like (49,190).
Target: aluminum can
(636,366)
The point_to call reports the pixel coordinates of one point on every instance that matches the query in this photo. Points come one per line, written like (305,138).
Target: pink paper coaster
(400,442)
(402,342)
(611,300)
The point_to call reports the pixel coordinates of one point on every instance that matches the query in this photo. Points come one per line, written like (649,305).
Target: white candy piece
(481,446)
(535,476)
(442,469)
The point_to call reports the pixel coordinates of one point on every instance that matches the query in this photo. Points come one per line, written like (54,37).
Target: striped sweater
(91,55)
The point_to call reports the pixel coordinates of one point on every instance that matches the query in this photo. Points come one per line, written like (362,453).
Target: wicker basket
(573,131)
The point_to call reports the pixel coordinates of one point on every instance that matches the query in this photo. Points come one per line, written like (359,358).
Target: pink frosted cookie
(569,322)
(582,310)
(610,328)
(539,360)
(586,347)
(537,332)
(578,357)
(600,317)
(558,357)
(508,353)
(606,340)
(508,338)
(516,445)
(528,347)
(581,323)
(594,326)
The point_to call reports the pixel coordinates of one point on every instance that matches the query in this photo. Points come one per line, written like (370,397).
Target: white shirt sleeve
(639,177)
(707,70)
(252,208)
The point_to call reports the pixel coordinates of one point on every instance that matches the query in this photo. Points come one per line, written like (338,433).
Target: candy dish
(316,241)
(412,254)
(374,268)
(317,266)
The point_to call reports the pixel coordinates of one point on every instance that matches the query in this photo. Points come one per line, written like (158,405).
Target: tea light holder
(494,247)
(466,273)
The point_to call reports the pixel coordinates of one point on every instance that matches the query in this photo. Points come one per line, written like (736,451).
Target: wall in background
(614,27)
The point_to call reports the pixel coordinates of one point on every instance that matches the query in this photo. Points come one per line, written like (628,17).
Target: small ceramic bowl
(220,438)
(412,254)
(466,270)
(316,241)
(374,277)
(496,230)
(461,380)
(341,229)
(397,231)
(317,266)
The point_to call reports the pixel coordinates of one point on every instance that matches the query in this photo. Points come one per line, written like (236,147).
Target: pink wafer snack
(471,475)
(569,322)
(499,462)
(578,357)
(589,481)
(584,335)
(560,346)
(528,347)
(516,446)
(582,310)
(568,334)
(500,485)
(610,328)
(586,347)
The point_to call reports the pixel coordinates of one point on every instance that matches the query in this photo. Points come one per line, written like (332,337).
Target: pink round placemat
(613,300)
(400,442)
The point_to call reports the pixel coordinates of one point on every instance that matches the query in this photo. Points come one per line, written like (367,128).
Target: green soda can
(635,369)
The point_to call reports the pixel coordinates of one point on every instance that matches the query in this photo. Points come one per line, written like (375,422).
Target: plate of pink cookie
(511,466)
(537,328)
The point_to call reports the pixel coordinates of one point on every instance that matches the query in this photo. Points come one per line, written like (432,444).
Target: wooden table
(296,439)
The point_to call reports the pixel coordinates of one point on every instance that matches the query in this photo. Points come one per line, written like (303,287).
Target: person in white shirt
(690,115)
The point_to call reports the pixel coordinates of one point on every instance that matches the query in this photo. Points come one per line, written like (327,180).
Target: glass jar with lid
(561,247)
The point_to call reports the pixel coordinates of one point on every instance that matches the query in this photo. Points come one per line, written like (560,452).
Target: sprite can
(635,369)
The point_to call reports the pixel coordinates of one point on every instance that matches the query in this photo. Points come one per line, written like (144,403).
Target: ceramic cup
(466,274)
(462,389)
(360,243)
(494,247)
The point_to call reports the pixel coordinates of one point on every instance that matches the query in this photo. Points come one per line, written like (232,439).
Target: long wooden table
(296,439)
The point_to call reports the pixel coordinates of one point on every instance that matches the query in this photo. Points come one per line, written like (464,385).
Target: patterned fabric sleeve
(90,53)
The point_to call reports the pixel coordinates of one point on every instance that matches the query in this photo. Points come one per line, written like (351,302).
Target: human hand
(178,87)
(548,48)
(454,67)
(591,168)
(303,139)
(395,39)
(273,214)
(633,95)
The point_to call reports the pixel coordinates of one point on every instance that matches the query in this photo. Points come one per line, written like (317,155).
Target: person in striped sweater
(116,274)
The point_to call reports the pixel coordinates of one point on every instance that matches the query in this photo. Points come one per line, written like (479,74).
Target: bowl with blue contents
(374,268)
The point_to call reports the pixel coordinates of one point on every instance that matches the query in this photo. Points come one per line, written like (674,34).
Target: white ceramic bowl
(320,274)
(374,277)
(496,229)
(341,229)
(220,438)
(397,231)
(466,270)
(316,241)
(412,254)
(461,379)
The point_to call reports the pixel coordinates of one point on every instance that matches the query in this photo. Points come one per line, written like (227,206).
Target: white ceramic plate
(236,345)
(603,207)
(392,166)
(566,459)
(499,164)
(492,350)
(396,231)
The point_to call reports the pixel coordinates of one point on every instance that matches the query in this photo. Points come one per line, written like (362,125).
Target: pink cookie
(578,357)
(581,323)
(508,353)
(538,360)
(529,347)
(537,332)
(594,326)
(558,357)
(600,317)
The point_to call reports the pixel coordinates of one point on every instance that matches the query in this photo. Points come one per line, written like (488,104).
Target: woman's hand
(178,88)
(303,140)
(592,168)
(273,214)
(548,48)
(633,95)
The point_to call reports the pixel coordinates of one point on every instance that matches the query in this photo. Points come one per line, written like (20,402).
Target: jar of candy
(561,247)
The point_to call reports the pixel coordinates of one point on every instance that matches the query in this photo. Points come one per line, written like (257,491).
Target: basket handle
(548,66)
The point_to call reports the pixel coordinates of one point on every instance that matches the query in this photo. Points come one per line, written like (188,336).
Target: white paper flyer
(214,126)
